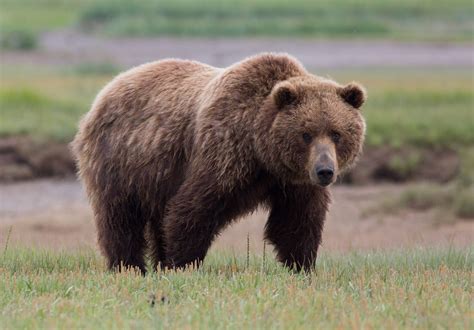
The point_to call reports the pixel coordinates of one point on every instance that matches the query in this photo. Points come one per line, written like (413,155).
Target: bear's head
(310,129)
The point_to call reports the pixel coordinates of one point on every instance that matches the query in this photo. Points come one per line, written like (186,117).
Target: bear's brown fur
(173,151)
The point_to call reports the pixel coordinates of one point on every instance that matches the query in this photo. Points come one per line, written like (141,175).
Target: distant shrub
(403,167)
(464,204)
(425,197)
(466,177)
(449,201)
(18,40)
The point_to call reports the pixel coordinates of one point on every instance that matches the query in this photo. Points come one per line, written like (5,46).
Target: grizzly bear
(173,151)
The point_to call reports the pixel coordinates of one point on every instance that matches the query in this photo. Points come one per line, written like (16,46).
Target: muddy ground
(23,158)
(55,214)
(64,48)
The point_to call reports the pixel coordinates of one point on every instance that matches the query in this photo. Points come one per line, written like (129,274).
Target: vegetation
(447,204)
(405,19)
(450,199)
(27,112)
(366,18)
(98,68)
(18,40)
(406,289)
(39,15)
(454,200)
(464,204)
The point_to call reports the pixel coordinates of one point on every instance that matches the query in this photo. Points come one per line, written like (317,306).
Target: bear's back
(143,116)
(153,84)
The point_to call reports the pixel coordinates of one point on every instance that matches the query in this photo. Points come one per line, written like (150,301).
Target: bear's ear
(285,95)
(354,94)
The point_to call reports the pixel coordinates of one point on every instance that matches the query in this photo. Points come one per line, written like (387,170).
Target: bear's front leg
(194,216)
(296,222)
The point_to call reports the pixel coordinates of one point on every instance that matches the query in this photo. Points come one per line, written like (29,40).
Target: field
(414,20)
(417,288)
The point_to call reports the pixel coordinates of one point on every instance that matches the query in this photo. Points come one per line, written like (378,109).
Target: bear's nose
(325,175)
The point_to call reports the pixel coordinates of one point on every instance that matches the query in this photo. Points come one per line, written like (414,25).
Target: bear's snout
(325,175)
(322,163)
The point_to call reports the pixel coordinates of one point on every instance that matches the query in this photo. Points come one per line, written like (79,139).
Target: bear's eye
(307,138)
(335,137)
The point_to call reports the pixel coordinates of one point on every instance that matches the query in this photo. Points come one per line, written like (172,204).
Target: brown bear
(173,151)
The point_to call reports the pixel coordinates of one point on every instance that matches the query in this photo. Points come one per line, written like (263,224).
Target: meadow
(435,20)
(417,288)
(411,110)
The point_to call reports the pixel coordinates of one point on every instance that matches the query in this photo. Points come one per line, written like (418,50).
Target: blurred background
(413,186)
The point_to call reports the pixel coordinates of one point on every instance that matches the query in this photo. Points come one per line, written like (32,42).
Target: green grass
(342,18)
(37,114)
(421,288)
(39,15)
(405,19)
(47,105)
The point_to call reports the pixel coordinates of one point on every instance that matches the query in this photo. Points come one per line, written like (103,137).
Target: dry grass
(404,289)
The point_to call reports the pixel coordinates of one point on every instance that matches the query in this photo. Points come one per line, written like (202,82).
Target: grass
(421,288)
(415,20)
(39,15)
(47,105)
(37,114)
(95,69)
(342,18)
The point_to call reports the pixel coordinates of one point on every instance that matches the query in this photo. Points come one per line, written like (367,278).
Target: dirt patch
(66,47)
(387,164)
(55,214)
(23,158)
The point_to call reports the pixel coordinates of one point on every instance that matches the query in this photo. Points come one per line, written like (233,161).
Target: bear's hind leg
(121,230)
(195,215)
